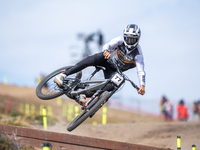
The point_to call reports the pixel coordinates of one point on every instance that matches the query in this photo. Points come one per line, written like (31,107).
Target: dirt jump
(122,126)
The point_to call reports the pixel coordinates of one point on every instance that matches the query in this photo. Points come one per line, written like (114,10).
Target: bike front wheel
(48,89)
(91,109)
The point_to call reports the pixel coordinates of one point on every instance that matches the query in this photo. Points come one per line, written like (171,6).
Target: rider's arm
(106,54)
(107,48)
(113,43)
(139,60)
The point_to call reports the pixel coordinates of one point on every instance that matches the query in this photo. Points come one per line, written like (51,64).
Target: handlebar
(125,76)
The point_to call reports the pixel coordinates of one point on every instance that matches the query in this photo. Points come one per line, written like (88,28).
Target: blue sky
(41,36)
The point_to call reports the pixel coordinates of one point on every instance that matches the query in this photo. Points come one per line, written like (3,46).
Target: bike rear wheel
(91,109)
(48,89)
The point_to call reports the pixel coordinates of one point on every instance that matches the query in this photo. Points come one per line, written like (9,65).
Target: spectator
(166,109)
(169,109)
(199,108)
(196,111)
(182,111)
(162,110)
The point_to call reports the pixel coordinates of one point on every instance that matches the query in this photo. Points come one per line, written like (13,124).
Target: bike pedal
(83,108)
(66,89)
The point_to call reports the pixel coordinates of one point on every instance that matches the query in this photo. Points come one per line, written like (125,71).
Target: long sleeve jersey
(126,59)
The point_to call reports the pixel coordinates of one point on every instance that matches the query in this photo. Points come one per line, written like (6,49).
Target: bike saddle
(100,67)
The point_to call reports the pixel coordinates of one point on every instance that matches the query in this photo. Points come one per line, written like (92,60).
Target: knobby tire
(85,114)
(55,93)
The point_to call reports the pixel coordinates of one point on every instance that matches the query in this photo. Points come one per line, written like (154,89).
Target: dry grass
(10,143)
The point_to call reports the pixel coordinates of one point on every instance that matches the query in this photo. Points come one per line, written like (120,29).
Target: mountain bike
(73,86)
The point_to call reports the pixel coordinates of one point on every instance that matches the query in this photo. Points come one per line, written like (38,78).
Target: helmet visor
(130,40)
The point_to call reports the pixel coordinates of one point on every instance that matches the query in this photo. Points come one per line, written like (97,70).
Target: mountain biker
(124,51)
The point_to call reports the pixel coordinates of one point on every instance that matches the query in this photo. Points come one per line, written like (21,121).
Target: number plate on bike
(117,79)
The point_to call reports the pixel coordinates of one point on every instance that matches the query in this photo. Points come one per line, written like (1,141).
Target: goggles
(130,40)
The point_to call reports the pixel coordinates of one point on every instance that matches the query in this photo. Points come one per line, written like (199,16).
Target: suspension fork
(113,91)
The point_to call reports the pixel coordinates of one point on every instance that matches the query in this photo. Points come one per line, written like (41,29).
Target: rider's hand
(141,90)
(106,54)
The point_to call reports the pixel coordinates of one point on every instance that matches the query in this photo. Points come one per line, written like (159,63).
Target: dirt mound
(121,125)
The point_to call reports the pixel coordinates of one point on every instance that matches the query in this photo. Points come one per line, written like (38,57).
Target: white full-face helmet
(132,35)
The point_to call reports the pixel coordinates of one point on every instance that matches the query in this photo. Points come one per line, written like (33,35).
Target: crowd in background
(167,110)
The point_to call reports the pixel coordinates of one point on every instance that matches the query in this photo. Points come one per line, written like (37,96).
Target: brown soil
(121,125)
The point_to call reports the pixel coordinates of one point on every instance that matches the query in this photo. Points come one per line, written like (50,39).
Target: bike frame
(93,85)
(98,84)
(116,80)
(99,98)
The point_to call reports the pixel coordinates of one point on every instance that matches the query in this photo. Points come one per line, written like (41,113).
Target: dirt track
(122,126)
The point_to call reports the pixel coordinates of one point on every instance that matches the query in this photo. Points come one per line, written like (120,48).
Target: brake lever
(134,85)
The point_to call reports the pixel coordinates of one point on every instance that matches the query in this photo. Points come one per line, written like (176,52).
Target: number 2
(119,79)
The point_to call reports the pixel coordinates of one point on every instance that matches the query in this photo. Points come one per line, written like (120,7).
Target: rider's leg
(94,60)
(81,98)
(59,79)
